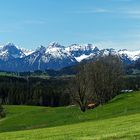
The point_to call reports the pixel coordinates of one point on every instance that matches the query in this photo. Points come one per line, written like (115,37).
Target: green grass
(124,127)
(119,119)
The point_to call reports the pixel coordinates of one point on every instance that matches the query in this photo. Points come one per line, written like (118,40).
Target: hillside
(117,119)
(124,128)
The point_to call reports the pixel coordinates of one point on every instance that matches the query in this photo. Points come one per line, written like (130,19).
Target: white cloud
(92,11)
(127,12)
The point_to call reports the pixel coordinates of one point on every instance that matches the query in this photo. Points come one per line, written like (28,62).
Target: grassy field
(119,119)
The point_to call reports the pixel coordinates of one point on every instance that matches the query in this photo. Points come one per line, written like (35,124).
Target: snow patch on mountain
(26,51)
(82,57)
(133,55)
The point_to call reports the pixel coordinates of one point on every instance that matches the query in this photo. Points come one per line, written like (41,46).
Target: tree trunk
(83,108)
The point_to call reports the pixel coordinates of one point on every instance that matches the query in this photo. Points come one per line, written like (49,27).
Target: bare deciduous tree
(79,88)
(97,81)
(105,78)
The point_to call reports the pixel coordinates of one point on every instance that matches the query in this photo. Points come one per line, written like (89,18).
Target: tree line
(34,91)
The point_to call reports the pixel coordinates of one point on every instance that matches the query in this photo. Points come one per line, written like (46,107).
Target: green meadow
(118,119)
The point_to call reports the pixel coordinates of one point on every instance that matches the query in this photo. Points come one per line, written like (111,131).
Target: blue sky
(105,23)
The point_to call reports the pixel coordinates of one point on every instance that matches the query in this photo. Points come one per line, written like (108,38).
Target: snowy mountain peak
(10,51)
(41,49)
(26,51)
(96,49)
(89,47)
(55,45)
(77,47)
(56,56)
(123,50)
(9,47)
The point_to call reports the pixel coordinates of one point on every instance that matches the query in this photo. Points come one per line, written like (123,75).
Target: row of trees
(34,91)
(132,82)
(97,82)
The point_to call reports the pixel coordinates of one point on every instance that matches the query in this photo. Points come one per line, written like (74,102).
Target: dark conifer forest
(34,91)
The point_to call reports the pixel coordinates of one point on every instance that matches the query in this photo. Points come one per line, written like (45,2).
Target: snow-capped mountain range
(56,56)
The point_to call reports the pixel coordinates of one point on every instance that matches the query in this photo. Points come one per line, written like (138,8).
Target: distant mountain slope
(56,56)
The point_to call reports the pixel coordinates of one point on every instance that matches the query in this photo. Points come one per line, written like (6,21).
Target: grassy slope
(118,119)
(124,127)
